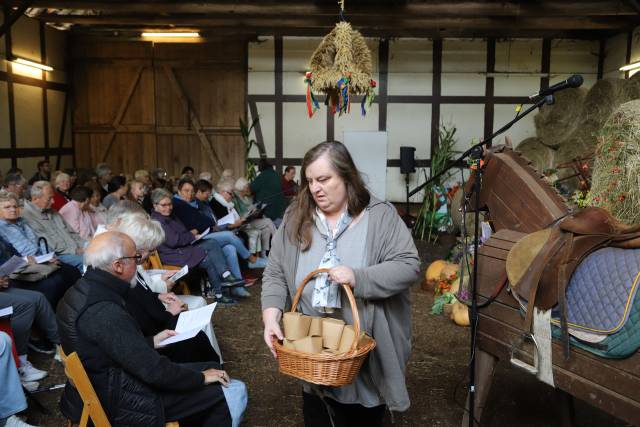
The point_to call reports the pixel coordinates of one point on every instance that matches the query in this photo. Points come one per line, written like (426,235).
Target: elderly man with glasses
(135,384)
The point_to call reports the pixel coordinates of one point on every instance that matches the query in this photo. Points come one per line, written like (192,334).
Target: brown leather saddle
(540,264)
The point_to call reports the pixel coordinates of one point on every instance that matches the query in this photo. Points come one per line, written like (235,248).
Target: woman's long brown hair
(302,210)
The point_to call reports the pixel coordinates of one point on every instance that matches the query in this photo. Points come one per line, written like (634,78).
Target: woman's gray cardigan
(382,291)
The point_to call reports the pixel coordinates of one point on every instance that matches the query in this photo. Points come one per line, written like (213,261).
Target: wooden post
(485,367)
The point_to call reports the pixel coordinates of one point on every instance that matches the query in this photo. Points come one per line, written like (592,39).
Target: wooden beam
(195,122)
(159,130)
(300,8)
(121,110)
(11,16)
(390,21)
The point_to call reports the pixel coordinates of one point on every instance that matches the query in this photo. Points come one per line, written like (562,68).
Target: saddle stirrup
(516,348)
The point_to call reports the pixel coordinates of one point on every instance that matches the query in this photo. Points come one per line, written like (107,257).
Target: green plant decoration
(431,218)
(250,166)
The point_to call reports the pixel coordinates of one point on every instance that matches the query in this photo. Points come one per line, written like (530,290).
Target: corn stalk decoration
(434,215)
(250,166)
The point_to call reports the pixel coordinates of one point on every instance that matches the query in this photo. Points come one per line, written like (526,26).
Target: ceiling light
(191,34)
(28,63)
(630,67)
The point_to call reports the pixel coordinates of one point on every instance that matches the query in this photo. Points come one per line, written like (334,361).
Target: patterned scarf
(326,293)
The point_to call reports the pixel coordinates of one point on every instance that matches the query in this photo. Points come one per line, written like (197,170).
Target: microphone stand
(476,153)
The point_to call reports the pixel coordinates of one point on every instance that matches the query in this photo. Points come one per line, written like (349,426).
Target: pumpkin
(432,275)
(460,314)
(449,271)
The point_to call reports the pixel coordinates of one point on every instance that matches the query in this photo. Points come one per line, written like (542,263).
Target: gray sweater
(382,291)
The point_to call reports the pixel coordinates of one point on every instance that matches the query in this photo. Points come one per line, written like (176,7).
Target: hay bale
(555,122)
(616,182)
(540,155)
(602,100)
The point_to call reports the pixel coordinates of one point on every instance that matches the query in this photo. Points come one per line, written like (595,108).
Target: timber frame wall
(56,143)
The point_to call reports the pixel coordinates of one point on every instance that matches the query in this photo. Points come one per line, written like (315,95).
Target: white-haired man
(135,384)
(47,223)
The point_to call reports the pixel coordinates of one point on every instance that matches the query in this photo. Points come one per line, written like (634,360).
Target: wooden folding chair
(156,263)
(92,408)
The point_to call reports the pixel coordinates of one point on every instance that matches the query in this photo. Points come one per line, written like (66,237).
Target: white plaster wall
(267,114)
(463,65)
(574,57)
(517,73)
(517,66)
(410,67)
(260,76)
(615,52)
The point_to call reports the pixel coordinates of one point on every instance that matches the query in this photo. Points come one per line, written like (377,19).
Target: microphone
(573,81)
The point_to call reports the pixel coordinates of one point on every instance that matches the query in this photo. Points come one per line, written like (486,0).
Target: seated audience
(73,177)
(16,184)
(43,173)
(243,201)
(289,186)
(186,208)
(30,308)
(135,384)
(97,211)
(103,176)
(187,172)
(267,188)
(23,242)
(62,183)
(13,399)
(137,191)
(77,213)
(178,248)
(118,189)
(227,175)
(47,223)
(206,176)
(144,177)
(151,305)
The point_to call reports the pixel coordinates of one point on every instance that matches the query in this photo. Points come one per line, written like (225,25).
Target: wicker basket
(325,369)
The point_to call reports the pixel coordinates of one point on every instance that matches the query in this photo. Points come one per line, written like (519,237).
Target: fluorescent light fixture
(184,34)
(28,63)
(630,67)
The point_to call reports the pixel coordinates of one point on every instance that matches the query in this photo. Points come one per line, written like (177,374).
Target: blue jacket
(191,217)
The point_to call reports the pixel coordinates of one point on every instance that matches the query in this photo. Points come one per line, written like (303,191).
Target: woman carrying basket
(335,223)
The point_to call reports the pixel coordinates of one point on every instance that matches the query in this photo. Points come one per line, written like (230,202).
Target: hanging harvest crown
(340,68)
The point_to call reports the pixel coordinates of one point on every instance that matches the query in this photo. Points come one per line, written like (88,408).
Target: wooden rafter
(195,122)
(121,111)
(305,8)
(14,15)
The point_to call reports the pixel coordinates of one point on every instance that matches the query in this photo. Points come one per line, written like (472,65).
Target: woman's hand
(194,232)
(4,283)
(161,336)
(271,319)
(236,224)
(343,275)
(166,276)
(214,375)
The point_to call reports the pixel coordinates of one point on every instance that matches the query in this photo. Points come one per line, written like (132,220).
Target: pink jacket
(78,220)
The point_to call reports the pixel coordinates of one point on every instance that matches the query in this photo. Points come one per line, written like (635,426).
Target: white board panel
(369,152)
(355,121)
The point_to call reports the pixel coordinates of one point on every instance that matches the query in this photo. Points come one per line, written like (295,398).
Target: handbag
(34,272)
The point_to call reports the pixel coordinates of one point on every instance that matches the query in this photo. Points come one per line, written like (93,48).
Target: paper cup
(288,344)
(347,339)
(316,326)
(296,325)
(309,344)
(331,332)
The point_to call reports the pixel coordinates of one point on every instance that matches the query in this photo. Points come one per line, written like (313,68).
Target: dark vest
(126,400)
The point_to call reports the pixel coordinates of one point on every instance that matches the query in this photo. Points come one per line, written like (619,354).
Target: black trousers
(196,349)
(344,415)
(206,407)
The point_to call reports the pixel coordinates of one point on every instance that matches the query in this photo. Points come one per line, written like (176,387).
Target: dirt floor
(436,375)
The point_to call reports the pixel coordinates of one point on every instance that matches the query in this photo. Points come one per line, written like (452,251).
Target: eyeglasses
(136,257)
